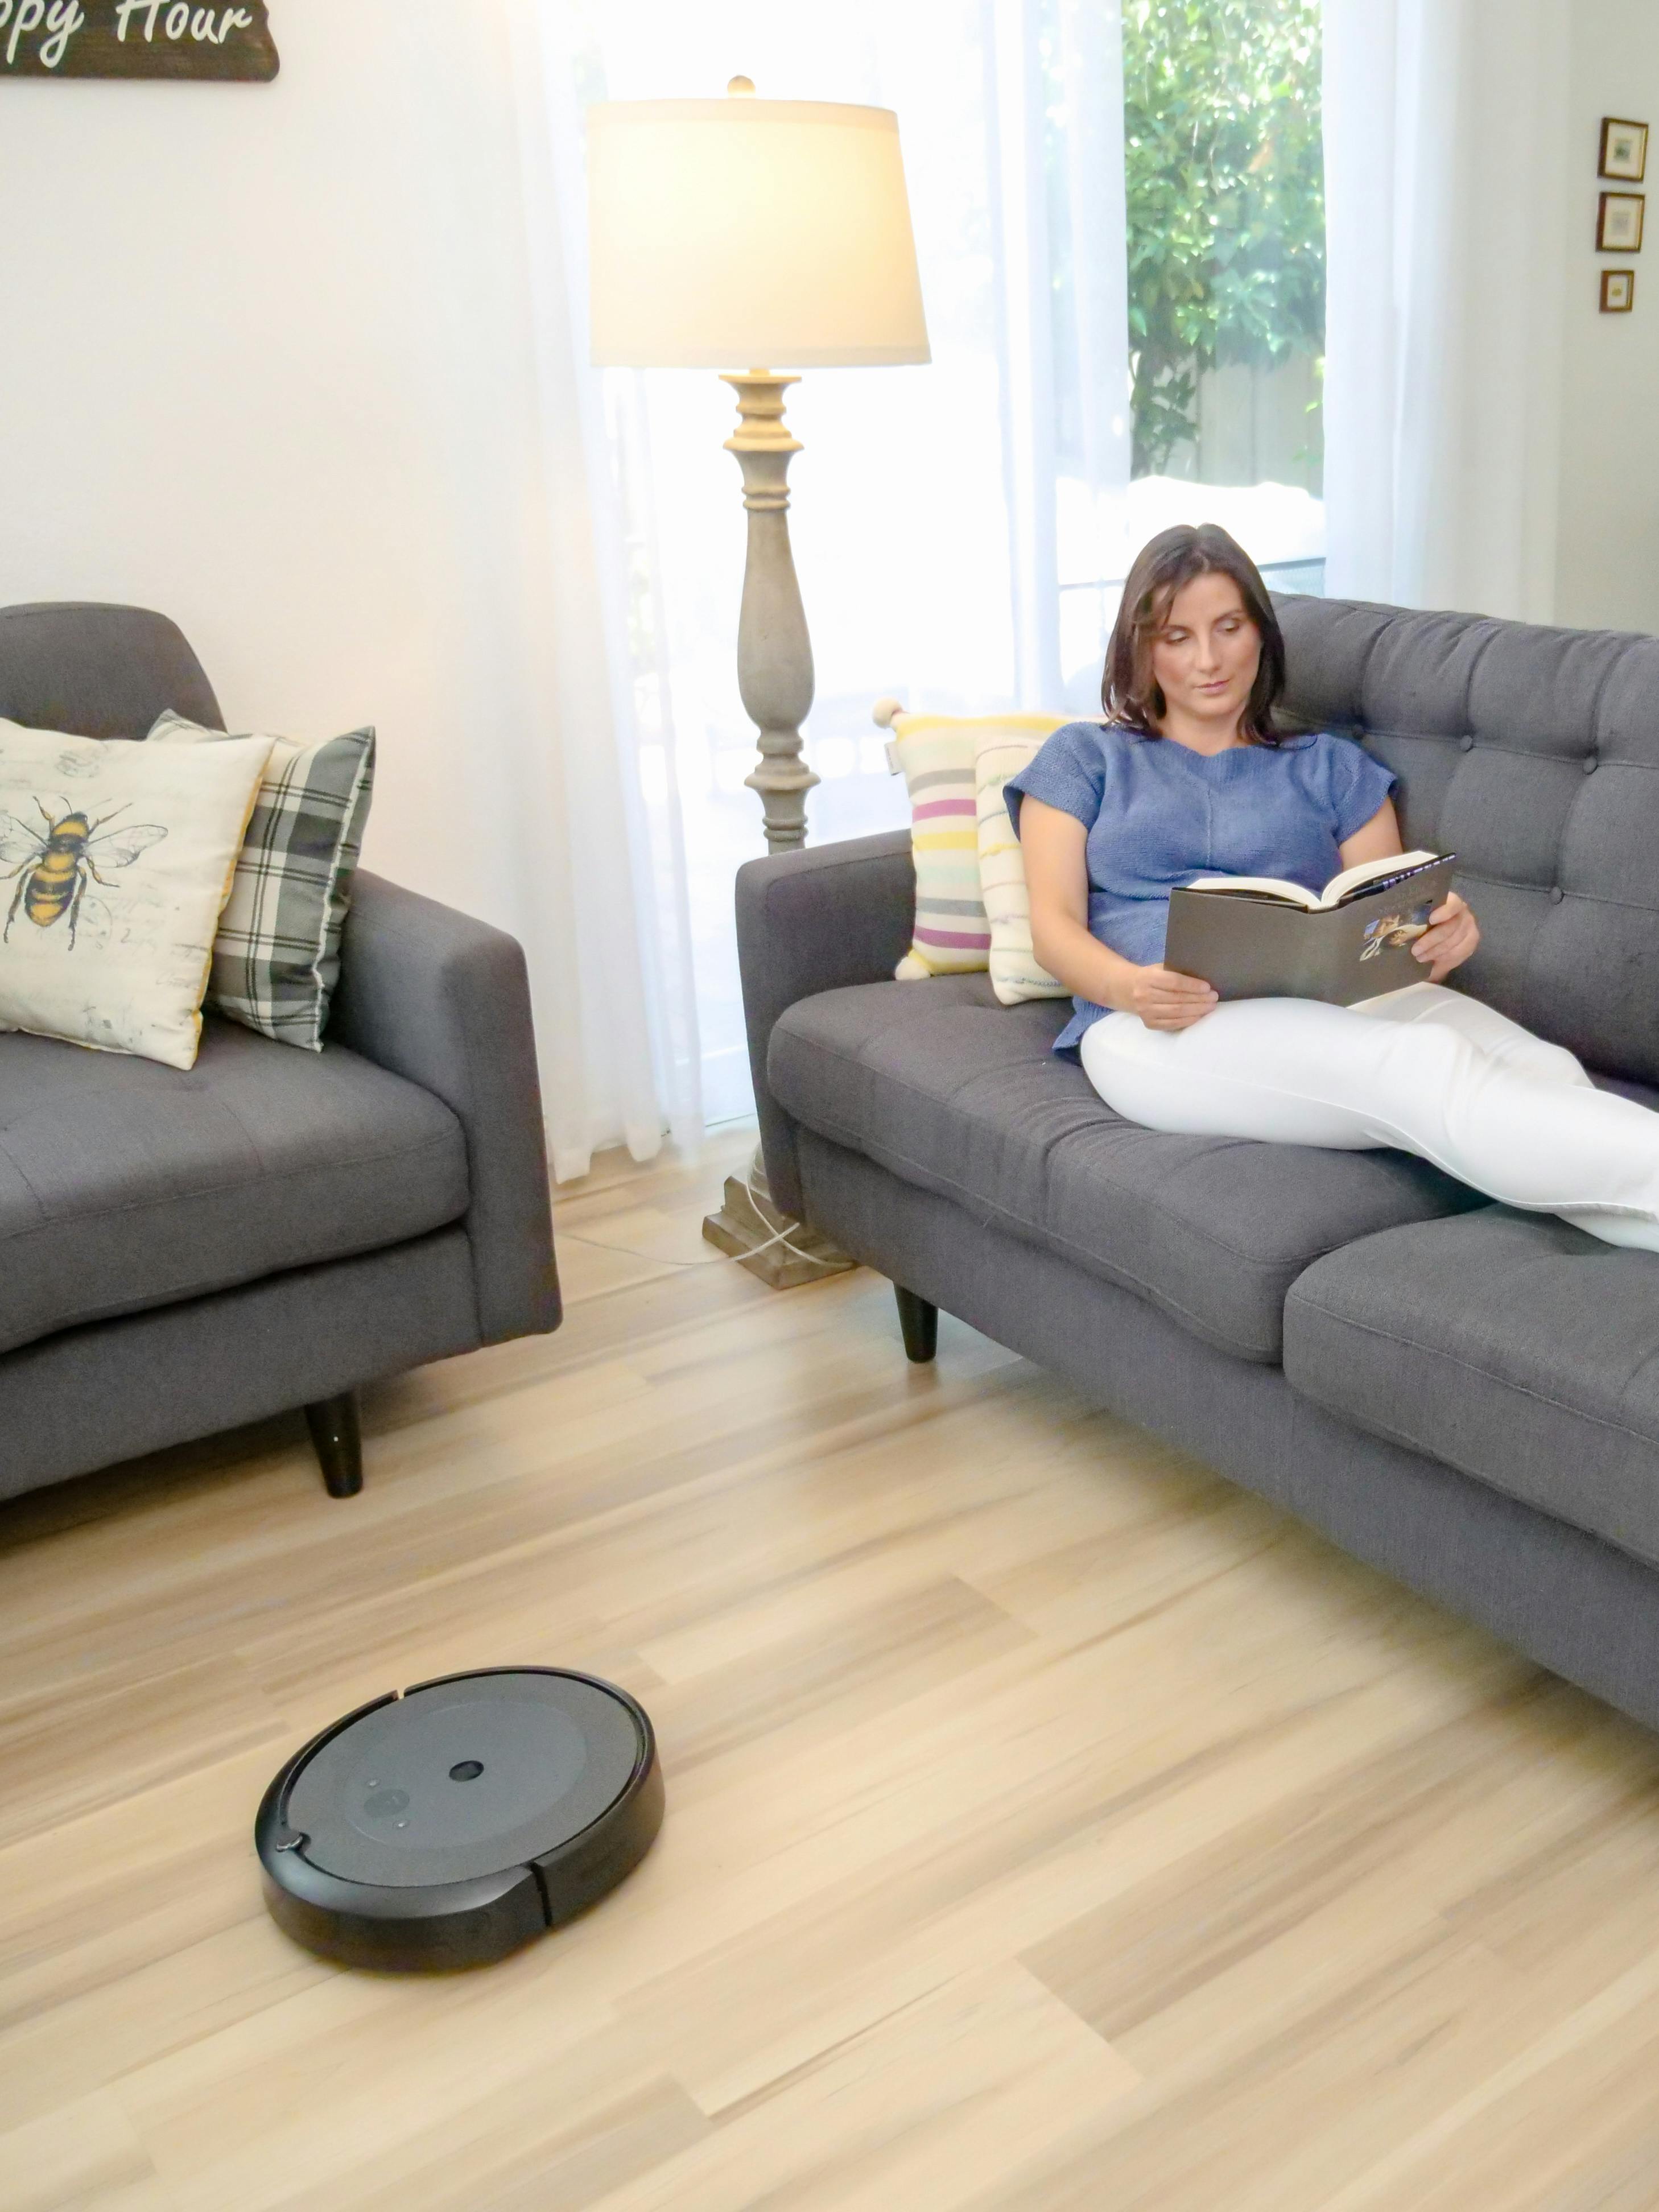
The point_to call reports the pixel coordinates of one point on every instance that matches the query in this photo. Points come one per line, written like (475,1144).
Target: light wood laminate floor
(1050,1825)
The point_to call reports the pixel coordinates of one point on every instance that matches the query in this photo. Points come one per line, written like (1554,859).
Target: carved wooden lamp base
(775,678)
(774,652)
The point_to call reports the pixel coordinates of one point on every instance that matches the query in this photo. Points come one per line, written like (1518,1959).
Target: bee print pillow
(116,860)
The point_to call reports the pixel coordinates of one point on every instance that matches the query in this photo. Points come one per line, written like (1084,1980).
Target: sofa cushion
(126,1184)
(949,1090)
(1520,1350)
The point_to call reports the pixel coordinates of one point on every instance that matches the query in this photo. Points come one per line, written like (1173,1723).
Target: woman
(1187,777)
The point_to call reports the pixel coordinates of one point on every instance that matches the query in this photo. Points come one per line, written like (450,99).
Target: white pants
(1424,1069)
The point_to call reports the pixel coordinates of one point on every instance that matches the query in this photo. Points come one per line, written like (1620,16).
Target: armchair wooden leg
(338,1442)
(920,1322)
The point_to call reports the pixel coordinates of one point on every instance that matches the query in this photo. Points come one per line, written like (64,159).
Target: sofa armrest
(443,999)
(813,921)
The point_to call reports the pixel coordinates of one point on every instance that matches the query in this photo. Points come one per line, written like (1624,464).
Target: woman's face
(1206,650)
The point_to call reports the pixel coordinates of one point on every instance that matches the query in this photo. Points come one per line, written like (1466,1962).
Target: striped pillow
(1003,749)
(935,753)
(276,953)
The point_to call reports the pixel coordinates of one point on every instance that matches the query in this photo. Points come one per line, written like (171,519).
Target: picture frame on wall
(1618,291)
(1624,150)
(1619,222)
(173,40)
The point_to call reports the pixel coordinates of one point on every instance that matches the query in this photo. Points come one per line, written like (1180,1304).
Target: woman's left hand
(1452,934)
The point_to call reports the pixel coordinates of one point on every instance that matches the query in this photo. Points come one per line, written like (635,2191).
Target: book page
(1271,887)
(1364,872)
(1342,886)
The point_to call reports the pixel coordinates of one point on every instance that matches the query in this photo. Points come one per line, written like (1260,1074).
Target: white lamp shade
(742,233)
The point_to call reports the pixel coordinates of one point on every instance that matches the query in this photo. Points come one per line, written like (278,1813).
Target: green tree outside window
(1223,163)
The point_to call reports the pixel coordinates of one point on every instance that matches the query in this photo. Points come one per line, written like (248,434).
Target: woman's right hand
(1166,1000)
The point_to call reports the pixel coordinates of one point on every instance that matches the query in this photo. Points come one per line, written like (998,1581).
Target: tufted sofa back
(1533,754)
(100,672)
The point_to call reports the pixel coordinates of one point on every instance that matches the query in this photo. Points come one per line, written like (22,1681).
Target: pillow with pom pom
(936,754)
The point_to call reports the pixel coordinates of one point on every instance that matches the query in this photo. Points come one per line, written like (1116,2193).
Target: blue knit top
(1158,814)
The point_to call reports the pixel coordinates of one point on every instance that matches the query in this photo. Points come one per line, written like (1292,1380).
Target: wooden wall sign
(136,38)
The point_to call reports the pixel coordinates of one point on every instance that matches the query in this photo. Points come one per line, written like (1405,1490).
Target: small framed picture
(1624,150)
(1618,291)
(1619,222)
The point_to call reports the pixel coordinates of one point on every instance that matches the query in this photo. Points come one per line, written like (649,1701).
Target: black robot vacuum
(448,1826)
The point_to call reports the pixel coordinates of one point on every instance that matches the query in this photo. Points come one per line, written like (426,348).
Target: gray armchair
(180,1253)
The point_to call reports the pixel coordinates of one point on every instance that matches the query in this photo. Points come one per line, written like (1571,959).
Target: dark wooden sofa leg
(339,1443)
(920,1322)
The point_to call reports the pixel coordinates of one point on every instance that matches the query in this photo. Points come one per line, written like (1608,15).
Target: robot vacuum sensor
(448,1826)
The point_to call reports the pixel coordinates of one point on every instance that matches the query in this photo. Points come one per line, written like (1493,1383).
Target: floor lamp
(759,231)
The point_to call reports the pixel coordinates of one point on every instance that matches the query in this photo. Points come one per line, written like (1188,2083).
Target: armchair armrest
(813,921)
(443,999)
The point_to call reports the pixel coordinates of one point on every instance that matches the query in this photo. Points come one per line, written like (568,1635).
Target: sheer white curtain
(938,513)
(1445,165)
(593,808)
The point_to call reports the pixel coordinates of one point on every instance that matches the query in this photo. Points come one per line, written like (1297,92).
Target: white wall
(267,366)
(1607,556)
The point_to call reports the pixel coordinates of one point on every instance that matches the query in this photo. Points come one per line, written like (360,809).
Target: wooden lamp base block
(747,1227)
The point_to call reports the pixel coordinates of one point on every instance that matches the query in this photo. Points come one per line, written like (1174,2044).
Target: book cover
(1248,945)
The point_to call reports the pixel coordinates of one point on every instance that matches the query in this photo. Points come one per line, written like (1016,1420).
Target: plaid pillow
(277,954)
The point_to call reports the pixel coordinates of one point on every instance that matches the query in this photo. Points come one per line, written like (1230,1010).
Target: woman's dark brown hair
(1164,565)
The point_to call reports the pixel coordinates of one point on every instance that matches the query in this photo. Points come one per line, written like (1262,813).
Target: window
(1223,171)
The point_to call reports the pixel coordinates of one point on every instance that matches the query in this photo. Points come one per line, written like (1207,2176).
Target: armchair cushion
(124,1184)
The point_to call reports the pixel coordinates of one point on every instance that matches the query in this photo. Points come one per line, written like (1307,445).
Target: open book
(1257,937)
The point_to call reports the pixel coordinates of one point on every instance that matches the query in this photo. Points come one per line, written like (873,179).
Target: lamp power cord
(715,1259)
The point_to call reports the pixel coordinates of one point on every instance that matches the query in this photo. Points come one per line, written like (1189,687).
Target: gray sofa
(182,1253)
(1462,1395)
